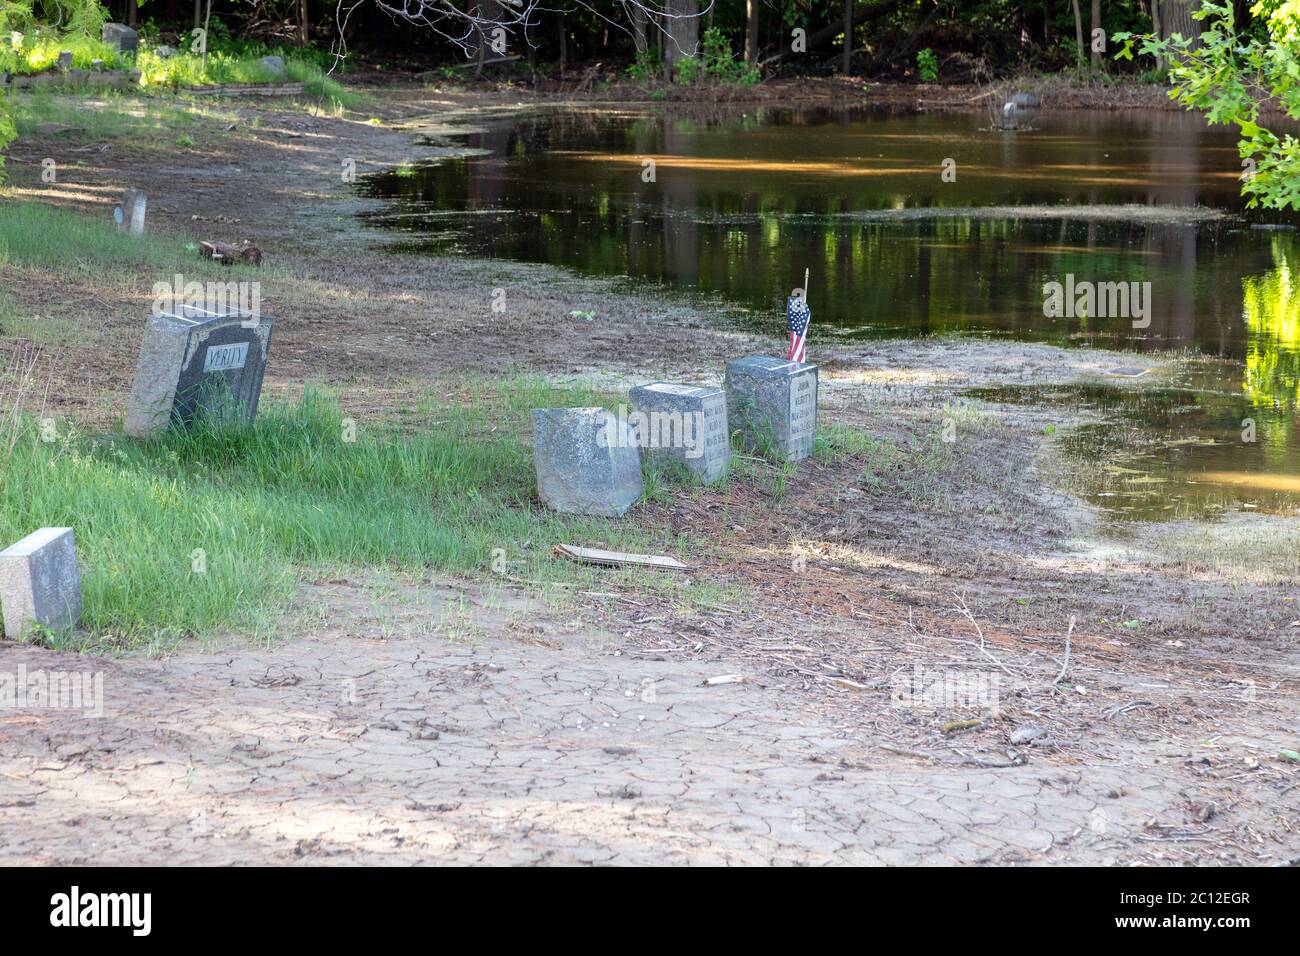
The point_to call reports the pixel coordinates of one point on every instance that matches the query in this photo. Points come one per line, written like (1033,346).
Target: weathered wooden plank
(618,559)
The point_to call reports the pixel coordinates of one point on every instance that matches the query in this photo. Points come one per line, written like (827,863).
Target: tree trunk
(683,40)
(846,60)
(1096,25)
(130,13)
(1155,28)
(1176,17)
(751,32)
(198,14)
(302,22)
(564,46)
(1078,32)
(207,22)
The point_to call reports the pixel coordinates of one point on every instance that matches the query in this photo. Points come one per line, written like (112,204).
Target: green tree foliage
(715,62)
(1232,75)
(31,32)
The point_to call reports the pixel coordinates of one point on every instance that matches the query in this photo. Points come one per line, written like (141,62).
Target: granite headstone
(683,423)
(197,362)
(121,36)
(586,461)
(130,215)
(275,67)
(772,405)
(39,583)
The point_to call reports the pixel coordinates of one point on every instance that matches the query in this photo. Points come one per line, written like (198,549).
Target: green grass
(185,69)
(932,466)
(39,53)
(110,115)
(266,503)
(838,442)
(68,245)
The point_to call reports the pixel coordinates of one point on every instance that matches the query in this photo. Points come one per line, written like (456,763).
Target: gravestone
(198,362)
(39,583)
(64,62)
(130,215)
(683,423)
(121,36)
(772,405)
(274,65)
(586,461)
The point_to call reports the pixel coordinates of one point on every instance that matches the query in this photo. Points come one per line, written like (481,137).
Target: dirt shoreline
(1160,746)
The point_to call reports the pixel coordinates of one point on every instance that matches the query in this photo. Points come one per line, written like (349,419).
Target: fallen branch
(1065,665)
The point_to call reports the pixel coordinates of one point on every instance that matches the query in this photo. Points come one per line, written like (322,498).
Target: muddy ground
(899,629)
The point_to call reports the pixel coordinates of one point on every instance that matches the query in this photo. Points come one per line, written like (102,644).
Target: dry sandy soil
(447,721)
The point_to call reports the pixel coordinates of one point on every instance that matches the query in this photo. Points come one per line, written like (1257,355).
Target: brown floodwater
(923,224)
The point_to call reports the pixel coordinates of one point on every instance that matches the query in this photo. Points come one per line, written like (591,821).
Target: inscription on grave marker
(772,405)
(694,420)
(223,358)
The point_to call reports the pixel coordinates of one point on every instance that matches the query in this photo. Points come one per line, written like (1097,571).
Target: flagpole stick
(805,285)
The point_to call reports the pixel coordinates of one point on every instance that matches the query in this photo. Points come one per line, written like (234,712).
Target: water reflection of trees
(567,188)
(1271,309)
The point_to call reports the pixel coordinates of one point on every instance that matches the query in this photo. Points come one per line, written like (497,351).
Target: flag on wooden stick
(798,316)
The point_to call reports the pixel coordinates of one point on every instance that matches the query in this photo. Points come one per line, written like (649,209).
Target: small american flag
(796,310)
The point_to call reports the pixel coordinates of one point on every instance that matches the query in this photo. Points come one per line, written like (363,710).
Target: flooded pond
(922,224)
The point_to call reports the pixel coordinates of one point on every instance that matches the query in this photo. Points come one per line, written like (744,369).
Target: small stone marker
(130,215)
(683,423)
(194,360)
(121,36)
(39,583)
(65,61)
(274,65)
(772,405)
(586,460)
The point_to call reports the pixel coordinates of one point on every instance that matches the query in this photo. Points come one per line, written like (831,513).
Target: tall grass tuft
(255,507)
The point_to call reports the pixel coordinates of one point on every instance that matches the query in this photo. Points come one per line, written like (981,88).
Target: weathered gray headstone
(121,36)
(274,65)
(39,583)
(586,460)
(198,362)
(64,62)
(130,215)
(683,423)
(772,405)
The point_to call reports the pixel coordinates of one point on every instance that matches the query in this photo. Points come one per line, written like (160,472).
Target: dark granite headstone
(195,362)
(121,36)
